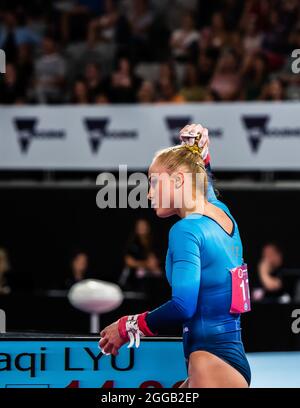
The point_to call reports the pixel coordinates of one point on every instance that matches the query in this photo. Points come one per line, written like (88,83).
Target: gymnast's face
(164,188)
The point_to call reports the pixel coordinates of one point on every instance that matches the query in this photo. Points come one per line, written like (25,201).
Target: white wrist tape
(133,331)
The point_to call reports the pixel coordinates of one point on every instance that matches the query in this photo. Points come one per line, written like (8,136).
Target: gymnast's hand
(111,340)
(188,135)
(128,328)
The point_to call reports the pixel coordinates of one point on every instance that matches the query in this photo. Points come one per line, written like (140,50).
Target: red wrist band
(133,326)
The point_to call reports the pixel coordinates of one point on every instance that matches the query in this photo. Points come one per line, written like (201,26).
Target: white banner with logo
(244,136)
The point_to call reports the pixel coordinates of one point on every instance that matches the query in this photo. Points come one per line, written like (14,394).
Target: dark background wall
(42,227)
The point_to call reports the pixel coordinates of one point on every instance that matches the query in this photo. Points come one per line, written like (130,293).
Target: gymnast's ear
(179,179)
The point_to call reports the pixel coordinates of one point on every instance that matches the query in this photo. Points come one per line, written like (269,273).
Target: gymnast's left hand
(111,340)
(188,134)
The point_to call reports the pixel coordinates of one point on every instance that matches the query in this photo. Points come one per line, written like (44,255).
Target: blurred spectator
(146,93)
(205,68)
(259,10)
(289,13)
(50,72)
(167,84)
(183,38)
(38,20)
(101,99)
(80,93)
(273,38)
(111,26)
(273,91)
(254,71)
(252,39)
(167,72)
(140,19)
(231,11)
(192,91)
(94,82)
(226,81)
(79,269)
(24,65)
(269,272)
(235,44)
(215,35)
(75,16)
(140,259)
(123,83)
(5,287)
(11,88)
(168,93)
(14,32)
(211,96)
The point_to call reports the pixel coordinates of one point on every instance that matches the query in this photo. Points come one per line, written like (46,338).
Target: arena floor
(275,369)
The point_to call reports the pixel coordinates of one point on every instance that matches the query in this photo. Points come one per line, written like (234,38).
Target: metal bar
(2,321)
(94,323)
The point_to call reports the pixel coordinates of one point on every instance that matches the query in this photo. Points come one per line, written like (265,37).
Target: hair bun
(194,149)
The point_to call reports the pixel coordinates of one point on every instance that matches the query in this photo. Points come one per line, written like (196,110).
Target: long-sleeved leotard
(199,258)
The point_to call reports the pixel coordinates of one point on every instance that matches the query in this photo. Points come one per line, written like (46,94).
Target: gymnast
(204,267)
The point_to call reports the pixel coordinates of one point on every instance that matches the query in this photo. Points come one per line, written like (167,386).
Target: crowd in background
(271,281)
(142,266)
(148,51)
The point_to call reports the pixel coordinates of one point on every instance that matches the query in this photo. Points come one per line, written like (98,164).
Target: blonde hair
(189,157)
